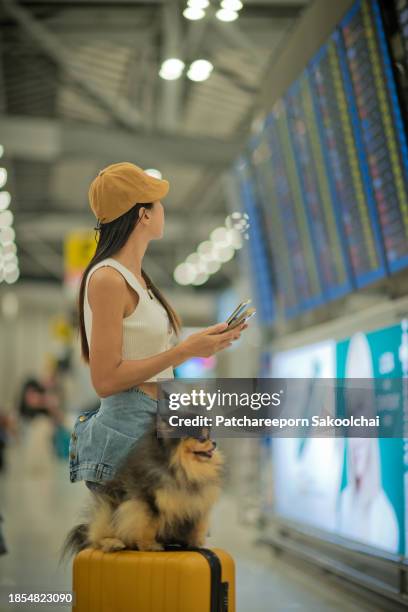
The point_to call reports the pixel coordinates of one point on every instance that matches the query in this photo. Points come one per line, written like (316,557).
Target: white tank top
(146,331)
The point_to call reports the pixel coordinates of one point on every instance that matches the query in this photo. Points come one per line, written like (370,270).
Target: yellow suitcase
(173,580)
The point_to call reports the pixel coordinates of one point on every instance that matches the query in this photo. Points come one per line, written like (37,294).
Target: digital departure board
(371,90)
(279,248)
(323,225)
(400,9)
(281,200)
(330,167)
(359,225)
(259,260)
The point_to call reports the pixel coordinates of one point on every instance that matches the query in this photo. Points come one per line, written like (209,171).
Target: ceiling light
(10,266)
(171,69)
(194,258)
(200,70)
(151,172)
(212,266)
(193,13)
(12,276)
(200,278)
(238,221)
(226,15)
(232,5)
(206,250)
(9,257)
(198,4)
(197,262)
(3,177)
(5,199)
(6,218)
(10,247)
(7,234)
(235,238)
(225,253)
(184,273)
(219,235)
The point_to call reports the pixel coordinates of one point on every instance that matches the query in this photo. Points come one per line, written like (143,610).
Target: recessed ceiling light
(5,199)
(193,13)
(184,274)
(200,70)
(232,5)
(3,177)
(198,4)
(200,279)
(171,69)
(226,15)
(6,218)
(11,276)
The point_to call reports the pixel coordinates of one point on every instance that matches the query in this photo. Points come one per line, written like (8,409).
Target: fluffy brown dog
(161,494)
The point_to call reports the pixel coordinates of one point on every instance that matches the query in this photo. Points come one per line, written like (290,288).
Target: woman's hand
(210,340)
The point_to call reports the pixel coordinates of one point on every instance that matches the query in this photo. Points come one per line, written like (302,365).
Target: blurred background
(282,128)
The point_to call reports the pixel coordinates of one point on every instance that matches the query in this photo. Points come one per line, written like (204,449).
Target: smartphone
(239,309)
(242,318)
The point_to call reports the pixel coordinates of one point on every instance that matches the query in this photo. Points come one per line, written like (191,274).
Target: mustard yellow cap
(118,187)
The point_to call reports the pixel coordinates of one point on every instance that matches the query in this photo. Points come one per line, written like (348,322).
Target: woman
(126,324)
(40,415)
(365,513)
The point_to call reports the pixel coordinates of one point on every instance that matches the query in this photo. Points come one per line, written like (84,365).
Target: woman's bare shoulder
(105,282)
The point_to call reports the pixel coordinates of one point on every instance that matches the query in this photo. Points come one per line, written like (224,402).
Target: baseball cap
(118,187)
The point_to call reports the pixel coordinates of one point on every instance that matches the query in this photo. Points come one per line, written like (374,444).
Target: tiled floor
(39,509)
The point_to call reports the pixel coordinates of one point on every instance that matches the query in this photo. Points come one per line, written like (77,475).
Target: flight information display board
(260,264)
(359,225)
(402,11)
(281,200)
(400,8)
(330,167)
(324,228)
(371,91)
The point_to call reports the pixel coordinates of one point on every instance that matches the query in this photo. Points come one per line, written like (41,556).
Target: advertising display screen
(372,97)
(305,487)
(357,491)
(260,262)
(359,221)
(371,497)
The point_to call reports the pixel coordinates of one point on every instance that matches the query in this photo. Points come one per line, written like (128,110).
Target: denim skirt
(102,437)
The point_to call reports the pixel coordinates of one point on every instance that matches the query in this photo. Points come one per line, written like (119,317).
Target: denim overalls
(102,437)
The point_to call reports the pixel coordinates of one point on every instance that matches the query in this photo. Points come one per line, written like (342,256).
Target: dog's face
(200,447)
(195,452)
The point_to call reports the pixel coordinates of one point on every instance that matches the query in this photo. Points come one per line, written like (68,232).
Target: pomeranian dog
(161,494)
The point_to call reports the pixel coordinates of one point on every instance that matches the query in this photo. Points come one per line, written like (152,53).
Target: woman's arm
(107,295)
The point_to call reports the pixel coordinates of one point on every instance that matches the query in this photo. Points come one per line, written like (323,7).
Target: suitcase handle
(219,590)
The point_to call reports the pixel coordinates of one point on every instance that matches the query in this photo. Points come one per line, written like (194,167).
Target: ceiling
(79,89)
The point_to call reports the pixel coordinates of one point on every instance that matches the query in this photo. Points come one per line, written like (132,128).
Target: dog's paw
(111,544)
(151,546)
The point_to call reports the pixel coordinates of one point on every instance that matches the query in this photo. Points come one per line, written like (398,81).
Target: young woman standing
(126,324)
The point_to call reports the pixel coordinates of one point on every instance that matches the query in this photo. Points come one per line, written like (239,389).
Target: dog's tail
(76,540)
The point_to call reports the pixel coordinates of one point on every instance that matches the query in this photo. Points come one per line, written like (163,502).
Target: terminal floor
(39,509)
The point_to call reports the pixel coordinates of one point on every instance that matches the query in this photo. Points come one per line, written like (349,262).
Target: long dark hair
(112,237)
